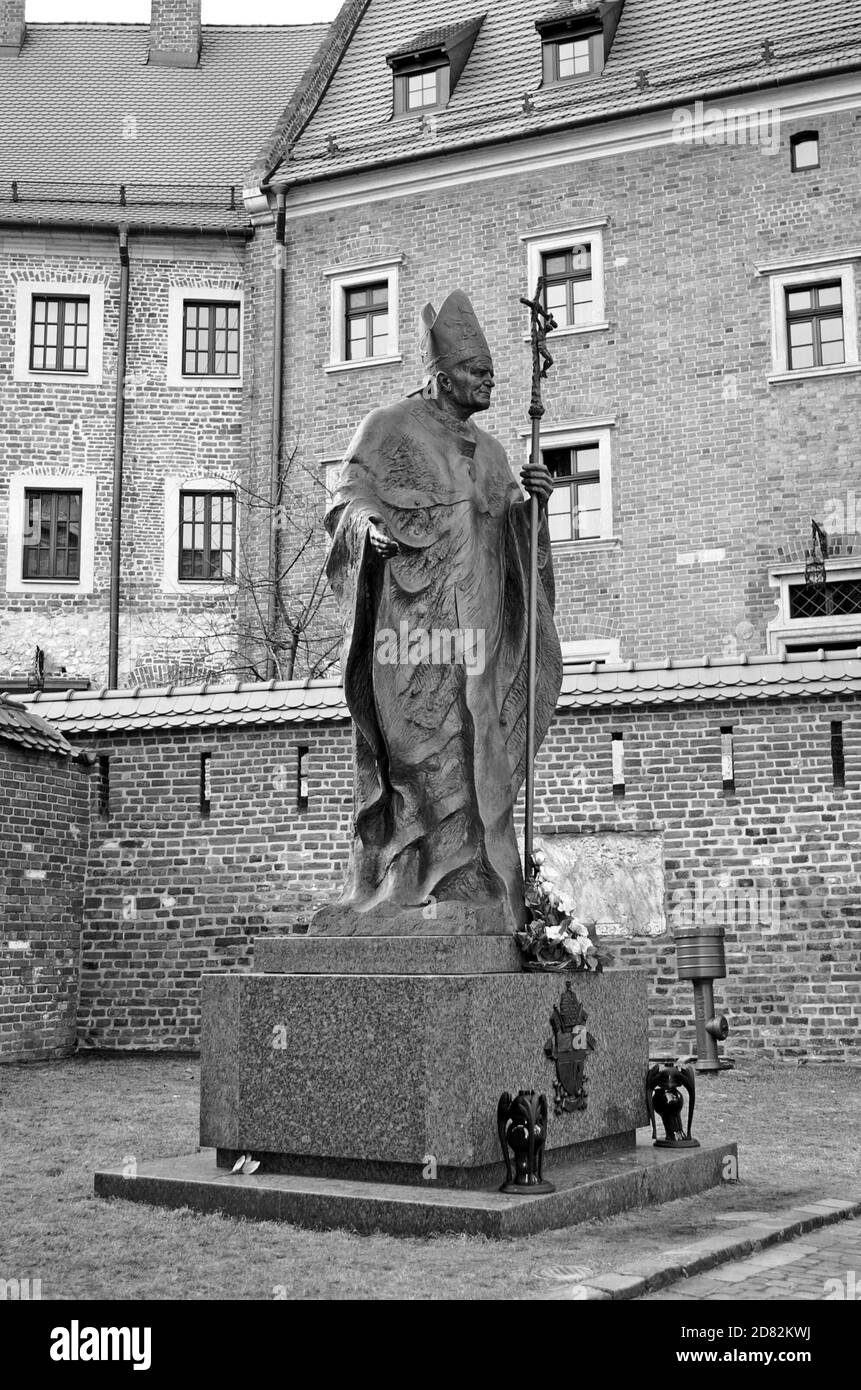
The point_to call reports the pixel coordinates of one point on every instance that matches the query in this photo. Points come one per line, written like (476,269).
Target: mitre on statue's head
(453,335)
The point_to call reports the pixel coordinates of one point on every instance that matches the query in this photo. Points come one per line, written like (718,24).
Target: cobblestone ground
(824,1264)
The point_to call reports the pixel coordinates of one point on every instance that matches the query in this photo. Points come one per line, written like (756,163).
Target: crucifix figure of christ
(430,564)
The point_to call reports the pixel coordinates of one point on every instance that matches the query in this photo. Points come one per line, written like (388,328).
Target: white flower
(575,946)
(538,857)
(566,903)
(555,933)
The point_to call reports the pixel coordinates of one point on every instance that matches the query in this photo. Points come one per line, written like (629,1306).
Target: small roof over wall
(620,684)
(20,726)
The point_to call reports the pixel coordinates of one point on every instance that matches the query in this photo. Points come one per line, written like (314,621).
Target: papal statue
(429,564)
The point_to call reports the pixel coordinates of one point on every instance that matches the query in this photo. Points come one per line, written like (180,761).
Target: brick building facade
(674,393)
(140,433)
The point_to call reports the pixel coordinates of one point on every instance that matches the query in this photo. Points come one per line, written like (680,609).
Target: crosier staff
(542,322)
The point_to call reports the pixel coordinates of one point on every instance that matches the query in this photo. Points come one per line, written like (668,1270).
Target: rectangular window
(302,778)
(814,325)
(104,786)
(838,760)
(574,512)
(618,752)
(568,290)
(727,758)
(573,58)
(205,783)
(207,542)
(422,89)
(366,326)
(60,334)
(804,151)
(210,338)
(52,535)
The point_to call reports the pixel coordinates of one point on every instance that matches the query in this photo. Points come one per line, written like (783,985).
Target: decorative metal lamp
(700,957)
(815,572)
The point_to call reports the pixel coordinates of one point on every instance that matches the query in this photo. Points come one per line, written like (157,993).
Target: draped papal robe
(439,745)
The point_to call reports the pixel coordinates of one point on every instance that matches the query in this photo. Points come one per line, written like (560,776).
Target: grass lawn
(798,1130)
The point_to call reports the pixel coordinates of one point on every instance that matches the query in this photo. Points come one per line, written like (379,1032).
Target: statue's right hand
(382,541)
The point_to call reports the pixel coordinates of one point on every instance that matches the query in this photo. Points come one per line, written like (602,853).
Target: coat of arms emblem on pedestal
(569,1046)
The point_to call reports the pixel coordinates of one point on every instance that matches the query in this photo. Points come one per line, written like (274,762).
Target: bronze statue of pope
(429,564)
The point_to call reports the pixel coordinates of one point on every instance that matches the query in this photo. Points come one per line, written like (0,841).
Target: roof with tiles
(83,112)
(662,55)
(20,726)
(434,38)
(301,702)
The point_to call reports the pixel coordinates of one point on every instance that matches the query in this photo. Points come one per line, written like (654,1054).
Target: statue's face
(470,383)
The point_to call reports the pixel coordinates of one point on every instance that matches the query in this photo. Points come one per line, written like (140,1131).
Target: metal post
(542,322)
(275,455)
(119,436)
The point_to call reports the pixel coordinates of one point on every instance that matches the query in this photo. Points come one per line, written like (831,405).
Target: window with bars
(837,600)
(814,325)
(568,286)
(210,338)
(574,510)
(366,321)
(52,534)
(207,536)
(60,334)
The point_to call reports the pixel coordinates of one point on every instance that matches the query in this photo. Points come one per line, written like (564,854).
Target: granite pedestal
(363,1073)
(382,1074)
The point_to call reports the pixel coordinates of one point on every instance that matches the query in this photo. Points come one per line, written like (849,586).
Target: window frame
(551,58)
(579,438)
(342,279)
(542,244)
(27,481)
(174,486)
(802,137)
(785,631)
(401,106)
(211,354)
(53,551)
(583,651)
(814,316)
(805,276)
(178,296)
(367,312)
(208,495)
(573,482)
(26,292)
(62,302)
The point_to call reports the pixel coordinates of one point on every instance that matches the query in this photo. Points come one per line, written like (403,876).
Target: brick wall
(43,843)
(171,891)
(67,428)
(706,455)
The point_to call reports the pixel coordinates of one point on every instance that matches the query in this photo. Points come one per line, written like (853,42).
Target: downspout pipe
(119,438)
(275,448)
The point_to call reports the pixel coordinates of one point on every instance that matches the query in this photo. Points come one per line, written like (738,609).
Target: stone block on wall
(616,879)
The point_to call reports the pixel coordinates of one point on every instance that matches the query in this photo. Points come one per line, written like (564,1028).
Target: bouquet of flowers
(553,939)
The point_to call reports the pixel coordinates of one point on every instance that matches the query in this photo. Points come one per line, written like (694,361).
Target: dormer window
(573,58)
(426,70)
(422,89)
(576,39)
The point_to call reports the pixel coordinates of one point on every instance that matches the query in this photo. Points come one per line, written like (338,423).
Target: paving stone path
(819,1265)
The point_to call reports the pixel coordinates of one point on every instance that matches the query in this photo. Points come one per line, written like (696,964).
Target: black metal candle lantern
(522,1125)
